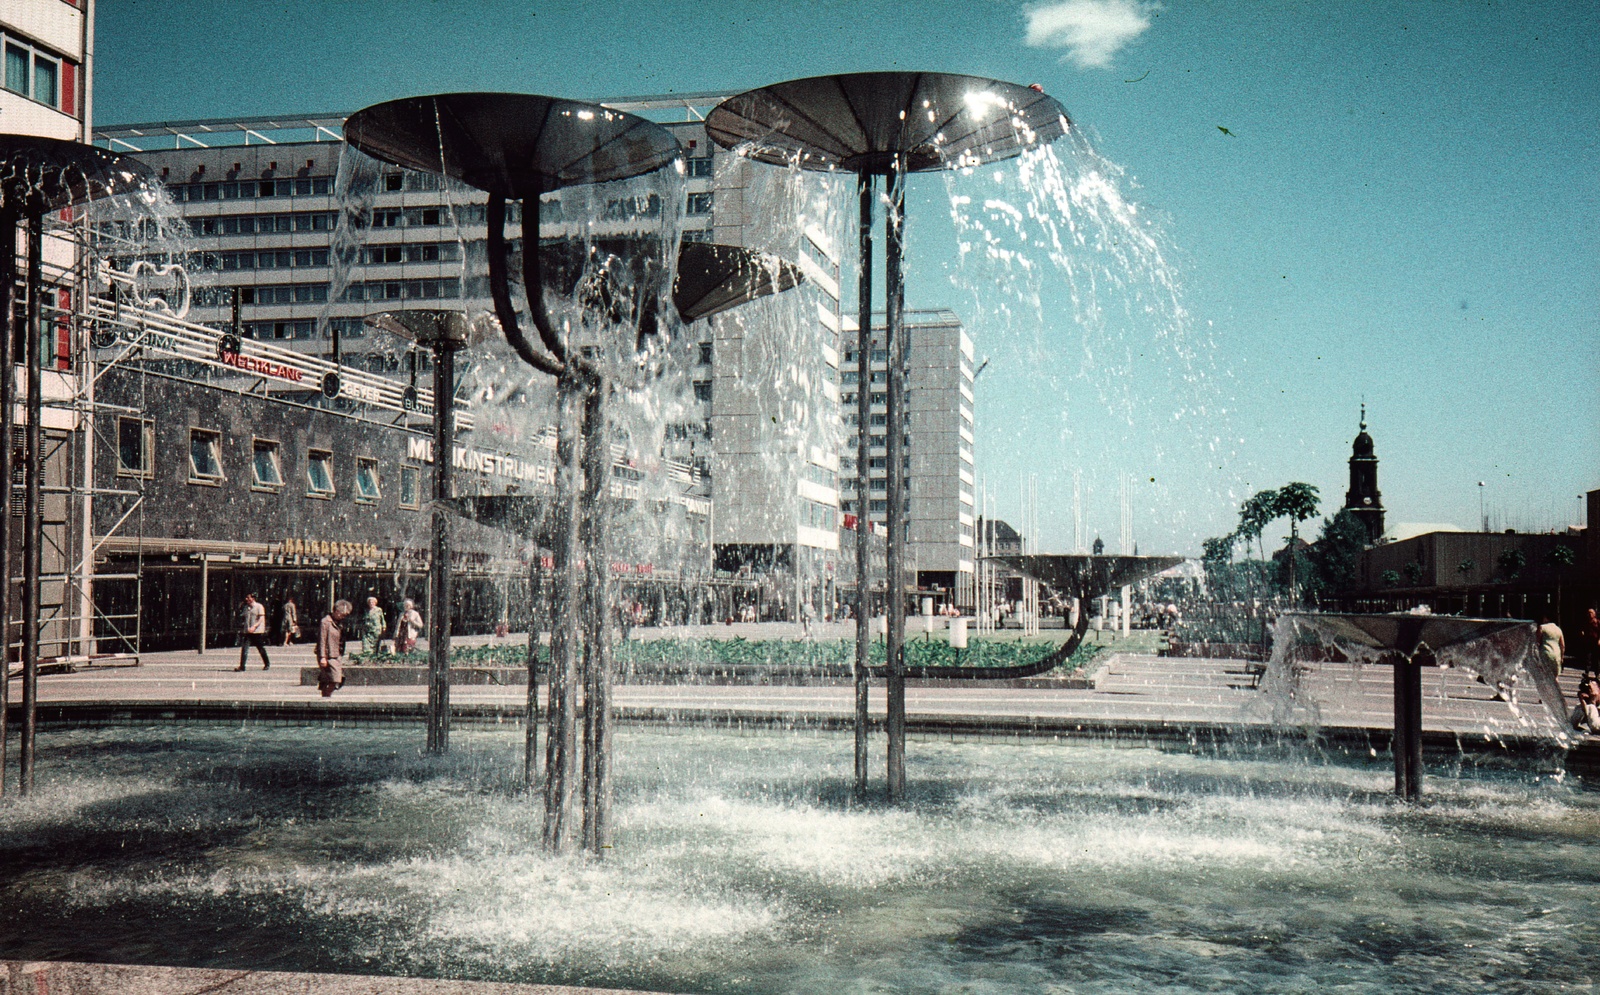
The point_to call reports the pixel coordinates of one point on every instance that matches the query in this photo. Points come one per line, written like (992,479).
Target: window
(700,167)
(135,442)
(17,69)
(319,473)
(410,487)
(393,182)
(699,203)
(45,74)
(367,491)
(702,390)
(265,469)
(205,456)
(705,353)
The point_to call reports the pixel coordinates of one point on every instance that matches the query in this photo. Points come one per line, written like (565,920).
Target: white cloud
(1092,31)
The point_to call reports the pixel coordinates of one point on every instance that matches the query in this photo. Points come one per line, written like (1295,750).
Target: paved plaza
(1131,690)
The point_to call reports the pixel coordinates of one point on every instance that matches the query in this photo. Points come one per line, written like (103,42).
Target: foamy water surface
(743,865)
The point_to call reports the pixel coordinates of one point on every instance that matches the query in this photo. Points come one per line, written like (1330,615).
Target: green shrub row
(736,652)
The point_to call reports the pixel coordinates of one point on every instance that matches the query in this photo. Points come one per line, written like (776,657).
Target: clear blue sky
(1405,208)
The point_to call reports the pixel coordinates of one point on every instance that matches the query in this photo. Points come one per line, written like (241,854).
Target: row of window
(420,252)
(822,475)
(878,356)
(447,288)
(262,259)
(262,224)
(40,75)
(818,516)
(266,294)
(136,454)
(308,186)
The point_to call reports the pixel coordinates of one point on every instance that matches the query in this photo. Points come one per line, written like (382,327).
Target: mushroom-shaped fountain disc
(1084,576)
(1404,632)
(450,329)
(714,278)
(859,122)
(38,175)
(516,145)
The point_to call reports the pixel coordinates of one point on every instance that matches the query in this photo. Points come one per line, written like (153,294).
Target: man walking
(253,631)
(330,649)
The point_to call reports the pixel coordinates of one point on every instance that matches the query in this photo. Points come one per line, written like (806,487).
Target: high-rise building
(938,449)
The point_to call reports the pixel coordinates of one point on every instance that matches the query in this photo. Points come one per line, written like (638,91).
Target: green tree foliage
(1336,555)
(1296,502)
(1511,563)
(1390,578)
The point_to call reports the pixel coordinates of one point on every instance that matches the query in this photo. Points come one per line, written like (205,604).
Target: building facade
(262,202)
(938,448)
(46,90)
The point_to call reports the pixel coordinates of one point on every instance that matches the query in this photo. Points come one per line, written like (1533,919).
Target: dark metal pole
(565,632)
(31,512)
(444,390)
(894,343)
(1413,737)
(1397,741)
(8,417)
(536,618)
(597,649)
(863,490)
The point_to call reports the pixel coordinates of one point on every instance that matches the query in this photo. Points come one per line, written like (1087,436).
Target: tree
(1511,563)
(1336,555)
(1561,557)
(1216,556)
(1297,502)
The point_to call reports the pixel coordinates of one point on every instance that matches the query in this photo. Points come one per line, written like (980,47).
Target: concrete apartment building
(939,448)
(46,90)
(260,197)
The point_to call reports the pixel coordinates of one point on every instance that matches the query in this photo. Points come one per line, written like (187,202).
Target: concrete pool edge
(1133,732)
(80,978)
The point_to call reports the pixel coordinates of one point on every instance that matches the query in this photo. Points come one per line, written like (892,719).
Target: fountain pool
(743,865)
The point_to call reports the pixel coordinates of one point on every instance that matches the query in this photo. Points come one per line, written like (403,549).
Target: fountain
(37,176)
(887,124)
(1496,649)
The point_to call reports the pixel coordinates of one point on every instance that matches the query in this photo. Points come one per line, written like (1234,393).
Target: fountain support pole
(444,390)
(536,619)
(1407,745)
(895,345)
(863,460)
(597,642)
(8,417)
(31,513)
(561,741)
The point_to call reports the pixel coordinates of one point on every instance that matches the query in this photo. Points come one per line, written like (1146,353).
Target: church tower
(1363,499)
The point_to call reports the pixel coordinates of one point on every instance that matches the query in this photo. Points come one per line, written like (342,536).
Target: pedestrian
(253,631)
(330,649)
(373,626)
(290,621)
(1586,716)
(1589,643)
(1552,644)
(408,628)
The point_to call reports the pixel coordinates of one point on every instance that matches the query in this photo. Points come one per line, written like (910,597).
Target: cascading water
(1072,290)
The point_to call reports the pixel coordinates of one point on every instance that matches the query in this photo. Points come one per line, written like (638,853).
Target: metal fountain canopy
(860,122)
(1084,575)
(1405,633)
(429,328)
(516,145)
(39,175)
(715,278)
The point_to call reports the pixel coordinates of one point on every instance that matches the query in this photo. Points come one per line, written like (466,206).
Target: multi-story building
(46,90)
(759,415)
(938,449)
